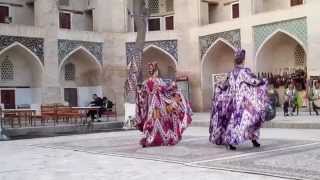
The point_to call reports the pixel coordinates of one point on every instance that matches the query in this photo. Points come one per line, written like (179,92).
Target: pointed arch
(269,57)
(17,44)
(217,59)
(213,45)
(279,31)
(86,51)
(163,51)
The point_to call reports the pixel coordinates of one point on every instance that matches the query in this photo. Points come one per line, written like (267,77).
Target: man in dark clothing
(97,101)
(109,105)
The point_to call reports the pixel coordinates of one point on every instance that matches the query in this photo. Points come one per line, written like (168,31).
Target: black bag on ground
(271,110)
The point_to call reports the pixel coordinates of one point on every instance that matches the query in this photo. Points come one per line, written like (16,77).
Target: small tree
(134,72)
(140,13)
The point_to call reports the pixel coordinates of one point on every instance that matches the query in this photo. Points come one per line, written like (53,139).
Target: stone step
(292,125)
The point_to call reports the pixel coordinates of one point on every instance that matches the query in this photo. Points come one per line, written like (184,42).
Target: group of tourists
(240,105)
(294,90)
(295,99)
(284,79)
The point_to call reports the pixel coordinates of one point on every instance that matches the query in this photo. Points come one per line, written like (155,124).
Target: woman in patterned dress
(162,111)
(238,107)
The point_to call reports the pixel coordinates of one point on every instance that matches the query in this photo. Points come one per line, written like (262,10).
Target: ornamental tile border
(35,45)
(169,46)
(233,37)
(296,27)
(65,47)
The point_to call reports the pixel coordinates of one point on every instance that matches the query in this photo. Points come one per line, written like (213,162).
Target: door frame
(9,11)
(66,12)
(78,97)
(9,89)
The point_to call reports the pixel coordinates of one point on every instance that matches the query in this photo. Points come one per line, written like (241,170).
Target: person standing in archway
(238,107)
(162,112)
(315,97)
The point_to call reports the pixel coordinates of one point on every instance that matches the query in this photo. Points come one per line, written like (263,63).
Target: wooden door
(71,96)
(235,10)
(4,12)
(65,20)
(8,99)
(169,23)
(296,2)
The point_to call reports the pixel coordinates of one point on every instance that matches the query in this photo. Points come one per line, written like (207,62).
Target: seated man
(109,105)
(97,101)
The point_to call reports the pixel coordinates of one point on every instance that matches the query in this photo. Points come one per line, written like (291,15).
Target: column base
(3,137)
(130,115)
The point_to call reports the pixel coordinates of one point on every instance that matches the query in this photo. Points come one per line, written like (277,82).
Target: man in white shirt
(316,97)
(290,100)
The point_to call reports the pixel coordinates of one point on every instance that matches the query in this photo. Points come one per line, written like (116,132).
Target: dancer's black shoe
(230,147)
(143,142)
(255,143)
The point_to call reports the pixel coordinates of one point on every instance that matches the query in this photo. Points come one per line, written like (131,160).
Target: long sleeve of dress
(223,86)
(168,88)
(251,79)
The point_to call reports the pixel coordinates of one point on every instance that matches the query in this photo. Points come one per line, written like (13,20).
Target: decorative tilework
(7,70)
(233,37)
(300,56)
(296,27)
(67,46)
(69,72)
(35,45)
(170,46)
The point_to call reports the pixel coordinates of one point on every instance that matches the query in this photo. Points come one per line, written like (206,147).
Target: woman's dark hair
(239,56)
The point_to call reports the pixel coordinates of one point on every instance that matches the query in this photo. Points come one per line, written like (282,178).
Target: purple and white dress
(238,108)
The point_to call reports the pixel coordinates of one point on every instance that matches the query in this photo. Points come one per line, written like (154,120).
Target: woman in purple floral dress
(162,112)
(238,107)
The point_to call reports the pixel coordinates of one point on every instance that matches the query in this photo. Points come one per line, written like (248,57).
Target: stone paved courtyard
(285,154)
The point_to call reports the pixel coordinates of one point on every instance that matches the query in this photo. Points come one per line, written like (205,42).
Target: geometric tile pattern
(153,5)
(69,72)
(233,37)
(300,56)
(67,46)
(190,149)
(160,7)
(7,70)
(276,157)
(35,45)
(169,46)
(296,163)
(296,27)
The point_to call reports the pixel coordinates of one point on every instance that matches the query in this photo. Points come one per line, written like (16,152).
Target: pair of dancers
(238,109)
